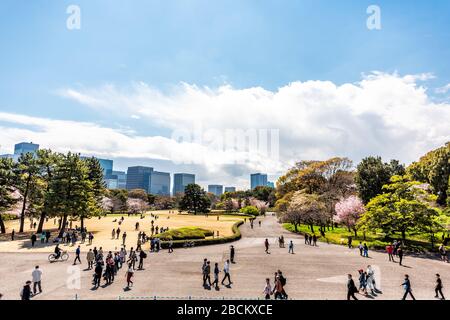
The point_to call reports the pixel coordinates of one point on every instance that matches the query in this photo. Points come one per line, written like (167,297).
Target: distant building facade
(270,184)
(159,183)
(216,189)
(181,180)
(138,177)
(116,180)
(25,147)
(258,179)
(230,189)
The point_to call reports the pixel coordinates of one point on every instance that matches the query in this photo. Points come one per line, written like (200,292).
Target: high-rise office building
(138,177)
(230,189)
(270,184)
(107,166)
(25,147)
(258,179)
(116,180)
(159,183)
(181,180)
(216,189)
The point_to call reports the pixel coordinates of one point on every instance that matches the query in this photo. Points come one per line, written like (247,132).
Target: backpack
(283,281)
(144,255)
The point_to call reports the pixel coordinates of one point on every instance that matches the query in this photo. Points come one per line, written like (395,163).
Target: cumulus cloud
(383,114)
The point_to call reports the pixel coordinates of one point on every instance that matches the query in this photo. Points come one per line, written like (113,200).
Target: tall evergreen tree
(195,199)
(27,174)
(7,179)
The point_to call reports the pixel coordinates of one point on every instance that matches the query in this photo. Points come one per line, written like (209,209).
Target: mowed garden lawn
(102,228)
(339,235)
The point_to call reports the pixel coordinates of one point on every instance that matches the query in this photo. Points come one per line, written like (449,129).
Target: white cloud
(383,114)
(444,89)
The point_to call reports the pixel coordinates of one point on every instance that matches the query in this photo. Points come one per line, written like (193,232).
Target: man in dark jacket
(407,287)
(351,288)
(33,239)
(232,254)
(439,286)
(26,291)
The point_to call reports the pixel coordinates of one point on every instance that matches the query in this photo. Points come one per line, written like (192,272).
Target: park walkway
(312,272)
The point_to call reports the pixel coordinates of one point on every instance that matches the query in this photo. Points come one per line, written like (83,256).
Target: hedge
(186,233)
(204,242)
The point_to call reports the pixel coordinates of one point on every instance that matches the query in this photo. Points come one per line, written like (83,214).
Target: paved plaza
(312,272)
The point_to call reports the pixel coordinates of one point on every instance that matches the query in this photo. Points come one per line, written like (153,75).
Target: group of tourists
(311,239)
(206,274)
(395,249)
(278,287)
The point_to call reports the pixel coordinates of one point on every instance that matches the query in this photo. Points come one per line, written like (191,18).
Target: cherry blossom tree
(348,211)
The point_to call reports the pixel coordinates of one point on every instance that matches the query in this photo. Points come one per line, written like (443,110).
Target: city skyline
(126,91)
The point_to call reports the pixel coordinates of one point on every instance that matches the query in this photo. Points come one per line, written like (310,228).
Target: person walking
(208,274)
(390,252)
(267,289)
(266,245)
(117,233)
(291,247)
(42,237)
(439,286)
(124,237)
(113,233)
(314,240)
(33,239)
(362,281)
(443,253)
(90,238)
(98,274)
(232,254)
(77,255)
(90,257)
(216,276)
(142,256)
(226,270)
(129,275)
(351,288)
(37,277)
(278,288)
(371,279)
(13,233)
(407,288)
(25,293)
(400,255)
(170,246)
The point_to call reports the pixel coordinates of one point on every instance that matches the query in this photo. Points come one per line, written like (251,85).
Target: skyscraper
(116,180)
(258,179)
(230,189)
(107,166)
(25,147)
(159,183)
(216,189)
(138,177)
(181,180)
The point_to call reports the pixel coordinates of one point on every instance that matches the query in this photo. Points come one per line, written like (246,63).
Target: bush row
(204,242)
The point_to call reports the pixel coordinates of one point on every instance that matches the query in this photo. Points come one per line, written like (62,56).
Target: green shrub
(186,233)
(7,217)
(251,210)
(202,242)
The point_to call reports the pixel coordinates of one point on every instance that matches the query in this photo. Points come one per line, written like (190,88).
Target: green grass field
(414,242)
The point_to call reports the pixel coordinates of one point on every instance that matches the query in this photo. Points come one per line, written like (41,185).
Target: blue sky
(243,43)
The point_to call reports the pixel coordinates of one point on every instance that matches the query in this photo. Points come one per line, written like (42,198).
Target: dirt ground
(102,229)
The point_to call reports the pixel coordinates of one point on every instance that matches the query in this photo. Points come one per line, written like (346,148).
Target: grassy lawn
(414,242)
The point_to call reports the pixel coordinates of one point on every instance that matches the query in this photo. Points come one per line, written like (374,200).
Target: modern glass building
(271,184)
(138,177)
(116,180)
(25,147)
(258,179)
(181,180)
(216,189)
(107,166)
(230,189)
(159,183)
